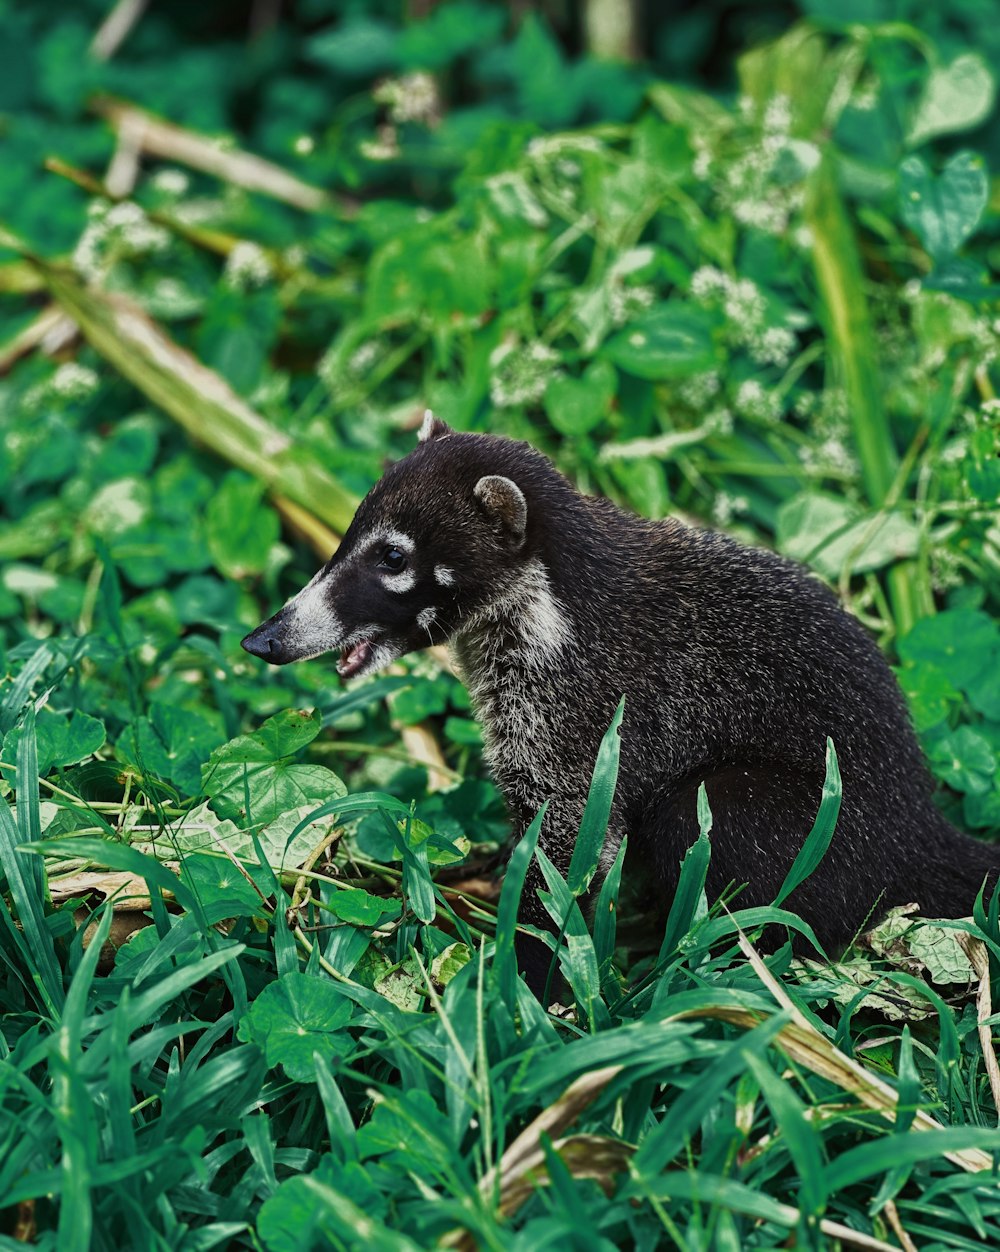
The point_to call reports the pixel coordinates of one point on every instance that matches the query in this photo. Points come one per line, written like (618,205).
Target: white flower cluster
(121,230)
(755,401)
(745,309)
(750,188)
(945,568)
(247,266)
(411,98)
(774,346)
(696,392)
(70,381)
(171,182)
(626,302)
(725,507)
(520,373)
(384,147)
(831,455)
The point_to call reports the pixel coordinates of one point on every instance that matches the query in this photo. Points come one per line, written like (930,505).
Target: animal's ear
(503,502)
(432,428)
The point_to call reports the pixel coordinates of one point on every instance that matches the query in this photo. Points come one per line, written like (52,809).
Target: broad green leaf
(239,529)
(964,760)
(930,694)
(275,782)
(222,888)
(60,740)
(957,96)
(943,211)
(964,644)
(672,341)
(575,406)
(827,532)
(361,908)
(175,743)
(296,1016)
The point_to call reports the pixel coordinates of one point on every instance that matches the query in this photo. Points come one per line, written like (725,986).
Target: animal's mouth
(354,658)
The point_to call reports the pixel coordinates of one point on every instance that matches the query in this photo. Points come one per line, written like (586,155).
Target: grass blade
(27,886)
(819,838)
(594,826)
(504,965)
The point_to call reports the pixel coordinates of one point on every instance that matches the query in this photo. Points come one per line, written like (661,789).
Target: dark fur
(735,665)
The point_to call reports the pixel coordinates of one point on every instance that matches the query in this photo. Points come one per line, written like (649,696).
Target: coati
(735,664)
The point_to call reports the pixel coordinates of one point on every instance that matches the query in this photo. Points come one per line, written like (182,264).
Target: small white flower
(696,392)
(744,304)
(73,381)
(753,400)
(384,147)
(778,115)
(304,144)
(363,357)
(171,182)
(708,282)
(520,373)
(701,166)
(247,266)
(774,346)
(411,98)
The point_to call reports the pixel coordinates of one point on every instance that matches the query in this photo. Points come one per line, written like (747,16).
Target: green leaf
(819,838)
(275,783)
(672,341)
(594,825)
(504,965)
(361,908)
(930,694)
(964,644)
(175,743)
(799,1135)
(943,212)
(222,888)
(826,533)
(964,760)
(957,96)
(240,531)
(575,406)
(294,1017)
(61,740)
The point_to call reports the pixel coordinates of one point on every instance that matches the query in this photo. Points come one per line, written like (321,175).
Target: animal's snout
(267,642)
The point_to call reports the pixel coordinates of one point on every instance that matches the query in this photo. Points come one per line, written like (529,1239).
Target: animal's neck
(521,633)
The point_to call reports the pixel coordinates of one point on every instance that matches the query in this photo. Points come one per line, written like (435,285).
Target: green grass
(258,986)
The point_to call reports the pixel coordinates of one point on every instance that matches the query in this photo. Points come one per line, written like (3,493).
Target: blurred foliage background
(729,259)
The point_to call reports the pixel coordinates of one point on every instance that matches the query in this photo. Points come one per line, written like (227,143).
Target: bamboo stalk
(196,397)
(839,276)
(232,165)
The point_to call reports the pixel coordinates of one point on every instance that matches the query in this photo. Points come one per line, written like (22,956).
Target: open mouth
(354,658)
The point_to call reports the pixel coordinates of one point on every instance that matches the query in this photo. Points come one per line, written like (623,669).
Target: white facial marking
(405,580)
(390,538)
(425,428)
(426,619)
(444,575)
(312,623)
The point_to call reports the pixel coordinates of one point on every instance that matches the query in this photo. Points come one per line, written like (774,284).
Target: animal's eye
(393,560)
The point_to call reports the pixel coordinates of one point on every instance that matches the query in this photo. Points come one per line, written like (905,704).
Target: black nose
(266,643)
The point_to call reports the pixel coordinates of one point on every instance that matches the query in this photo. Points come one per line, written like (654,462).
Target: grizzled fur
(735,665)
